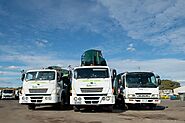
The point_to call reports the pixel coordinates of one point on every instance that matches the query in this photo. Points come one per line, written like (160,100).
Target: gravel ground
(169,111)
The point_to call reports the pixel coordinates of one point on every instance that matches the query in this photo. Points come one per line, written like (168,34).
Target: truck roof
(40,70)
(136,72)
(91,67)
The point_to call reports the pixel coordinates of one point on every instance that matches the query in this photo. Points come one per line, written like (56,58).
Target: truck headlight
(155,95)
(108,98)
(79,98)
(75,98)
(48,98)
(103,98)
(24,98)
(131,95)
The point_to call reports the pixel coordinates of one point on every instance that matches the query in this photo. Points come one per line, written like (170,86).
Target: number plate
(77,102)
(144,101)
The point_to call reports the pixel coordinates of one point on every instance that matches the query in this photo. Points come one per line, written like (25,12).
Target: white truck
(138,88)
(50,86)
(8,94)
(92,85)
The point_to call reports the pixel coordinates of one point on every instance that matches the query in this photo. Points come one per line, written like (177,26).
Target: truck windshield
(83,73)
(7,91)
(40,75)
(141,80)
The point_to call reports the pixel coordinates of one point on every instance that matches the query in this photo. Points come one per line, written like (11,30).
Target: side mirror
(59,77)
(114,73)
(23,76)
(158,80)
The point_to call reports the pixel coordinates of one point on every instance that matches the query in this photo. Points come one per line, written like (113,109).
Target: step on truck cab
(92,83)
(138,88)
(49,86)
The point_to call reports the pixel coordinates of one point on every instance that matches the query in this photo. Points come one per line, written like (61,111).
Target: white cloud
(39,60)
(69,15)
(13,67)
(156,22)
(167,68)
(3,79)
(8,73)
(41,43)
(10,82)
(131,47)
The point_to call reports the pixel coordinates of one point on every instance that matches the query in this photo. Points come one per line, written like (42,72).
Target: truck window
(7,91)
(46,75)
(41,75)
(91,73)
(31,76)
(134,80)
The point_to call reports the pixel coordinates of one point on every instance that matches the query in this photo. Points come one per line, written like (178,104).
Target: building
(179,90)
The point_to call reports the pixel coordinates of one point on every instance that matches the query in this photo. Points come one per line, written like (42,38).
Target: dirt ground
(12,112)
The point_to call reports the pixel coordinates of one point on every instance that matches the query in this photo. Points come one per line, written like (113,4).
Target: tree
(169,85)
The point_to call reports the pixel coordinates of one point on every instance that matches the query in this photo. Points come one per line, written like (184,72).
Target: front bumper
(134,101)
(8,97)
(44,99)
(92,100)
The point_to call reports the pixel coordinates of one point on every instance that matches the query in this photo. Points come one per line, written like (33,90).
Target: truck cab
(137,88)
(45,87)
(92,83)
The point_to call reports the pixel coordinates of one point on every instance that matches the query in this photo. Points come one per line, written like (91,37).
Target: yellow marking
(39,82)
(90,81)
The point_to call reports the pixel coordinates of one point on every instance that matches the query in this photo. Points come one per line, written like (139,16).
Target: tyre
(76,108)
(152,106)
(31,107)
(110,108)
(58,106)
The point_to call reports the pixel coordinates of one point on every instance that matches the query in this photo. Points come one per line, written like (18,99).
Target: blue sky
(132,34)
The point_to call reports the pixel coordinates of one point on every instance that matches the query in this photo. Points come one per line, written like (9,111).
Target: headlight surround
(75,98)
(103,98)
(107,98)
(155,95)
(24,98)
(131,95)
(48,98)
(79,98)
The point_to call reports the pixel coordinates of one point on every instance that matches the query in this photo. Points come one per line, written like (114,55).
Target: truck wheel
(58,106)
(152,106)
(31,107)
(110,108)
(76,108)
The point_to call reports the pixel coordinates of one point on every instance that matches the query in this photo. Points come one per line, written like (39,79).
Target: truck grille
(8,95)
(38,90)
(36,99)
(143,95)
(91,100)
(90,90)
